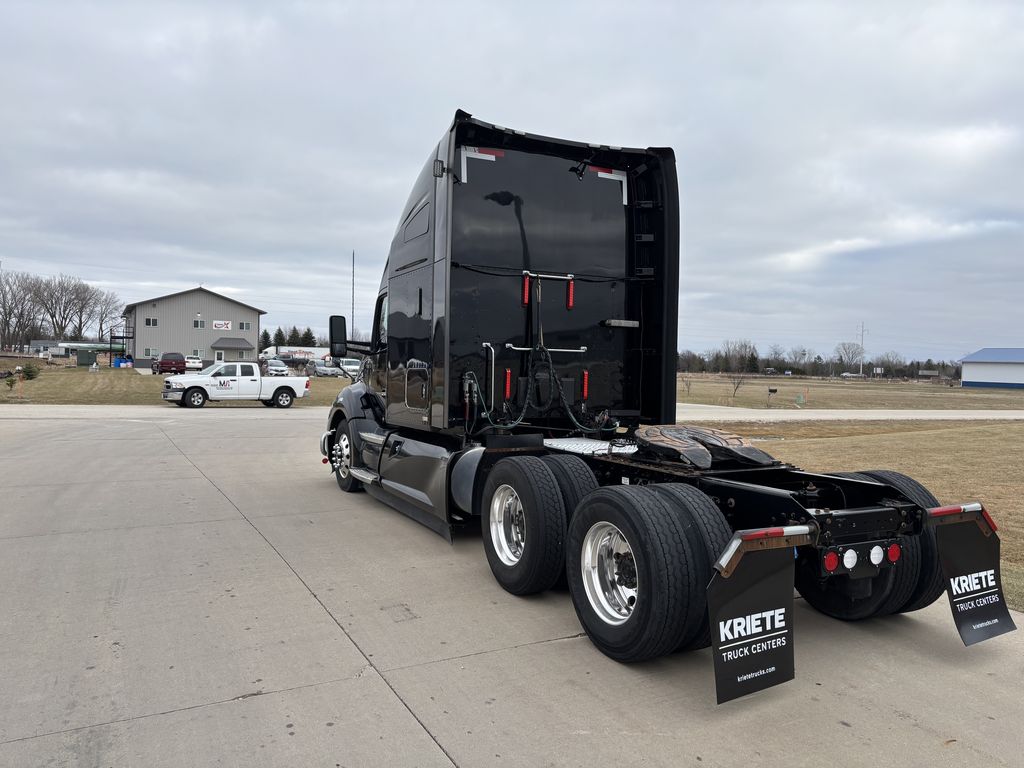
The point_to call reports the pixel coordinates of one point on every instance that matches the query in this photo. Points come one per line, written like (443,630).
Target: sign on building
(222,325)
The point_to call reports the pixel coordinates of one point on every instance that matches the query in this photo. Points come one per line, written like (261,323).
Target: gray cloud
(838,162)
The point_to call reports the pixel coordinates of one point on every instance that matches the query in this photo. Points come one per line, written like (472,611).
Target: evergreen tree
(264,339)
(279,337)
(294,337)
(308,337)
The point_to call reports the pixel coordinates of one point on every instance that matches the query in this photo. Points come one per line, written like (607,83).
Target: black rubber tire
(541,561)
(194,398)
(930,582)
(710,534)
(283,398)
(575,480)
(268,403)
(667,607)
(834,596)
(342,432)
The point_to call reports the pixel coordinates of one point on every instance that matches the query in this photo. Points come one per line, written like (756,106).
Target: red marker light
(894,552)
(586,384)
(830,561)
(526,290)
(508,383)
(570,294)
(764,533)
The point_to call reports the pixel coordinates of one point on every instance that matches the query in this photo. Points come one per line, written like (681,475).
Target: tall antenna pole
(352,317)
(862,332)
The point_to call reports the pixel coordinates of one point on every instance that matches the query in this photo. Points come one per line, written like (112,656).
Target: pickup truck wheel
(930,583)
(195,398)
(632,574)
(854,599)
(283,398)
(524,525)
(709,534)
(341,458)
(268,403)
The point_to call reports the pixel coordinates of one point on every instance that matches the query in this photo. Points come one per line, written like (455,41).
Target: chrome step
(363,475)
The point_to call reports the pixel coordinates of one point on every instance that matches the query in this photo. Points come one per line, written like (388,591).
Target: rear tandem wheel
(854,599)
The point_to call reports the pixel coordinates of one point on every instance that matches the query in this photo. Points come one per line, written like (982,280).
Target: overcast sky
(838,163)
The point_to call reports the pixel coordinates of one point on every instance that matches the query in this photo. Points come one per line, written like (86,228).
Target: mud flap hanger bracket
(760,539)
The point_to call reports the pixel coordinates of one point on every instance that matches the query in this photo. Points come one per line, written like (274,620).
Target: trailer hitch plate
(969,556)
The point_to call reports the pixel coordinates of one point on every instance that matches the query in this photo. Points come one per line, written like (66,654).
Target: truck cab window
(380,322)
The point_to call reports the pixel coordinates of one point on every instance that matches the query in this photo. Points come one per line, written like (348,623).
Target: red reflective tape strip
(989,520)
(508,383)
(764,533)
(955,509)
(493,152)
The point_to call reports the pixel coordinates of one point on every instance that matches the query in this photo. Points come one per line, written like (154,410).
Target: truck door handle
(396,448)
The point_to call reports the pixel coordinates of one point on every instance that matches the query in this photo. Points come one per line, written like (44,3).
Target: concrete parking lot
(190,588)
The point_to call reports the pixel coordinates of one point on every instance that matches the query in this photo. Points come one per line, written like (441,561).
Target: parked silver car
(322,368)
(274,367)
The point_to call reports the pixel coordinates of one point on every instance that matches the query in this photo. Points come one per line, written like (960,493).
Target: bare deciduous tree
(56,297)
(109,307)
(20,314)
(849,353)
(737,355)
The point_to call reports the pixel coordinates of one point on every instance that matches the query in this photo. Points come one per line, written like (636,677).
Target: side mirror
(339,336)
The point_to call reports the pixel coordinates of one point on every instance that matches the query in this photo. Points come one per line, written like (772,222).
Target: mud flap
(969,556)
(750,603)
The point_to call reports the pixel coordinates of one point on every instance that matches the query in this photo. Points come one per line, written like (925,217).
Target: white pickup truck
(233,381)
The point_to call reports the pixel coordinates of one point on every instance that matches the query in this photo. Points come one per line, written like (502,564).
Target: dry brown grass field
(57,385)
(713,389)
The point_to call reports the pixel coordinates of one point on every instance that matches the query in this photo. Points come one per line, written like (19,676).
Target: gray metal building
(193,322)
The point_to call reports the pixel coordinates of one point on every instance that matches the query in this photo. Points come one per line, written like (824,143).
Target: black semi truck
(521,371)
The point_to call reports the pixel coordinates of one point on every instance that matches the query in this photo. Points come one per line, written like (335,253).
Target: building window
(244,326)
(151,322)
(151,352)
(241,354)
(197,353)
(198,323)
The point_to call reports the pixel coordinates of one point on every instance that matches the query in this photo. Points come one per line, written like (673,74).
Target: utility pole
(862,332)
(352,317)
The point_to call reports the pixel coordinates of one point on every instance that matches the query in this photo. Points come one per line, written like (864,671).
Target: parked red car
(169,362)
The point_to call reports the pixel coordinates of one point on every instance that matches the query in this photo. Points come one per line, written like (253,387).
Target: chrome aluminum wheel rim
(341,455)
(609,573)
(508,525)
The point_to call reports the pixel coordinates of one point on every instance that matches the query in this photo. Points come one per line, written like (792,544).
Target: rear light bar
(526,289)
(508,384)
(570,294)
(586,385)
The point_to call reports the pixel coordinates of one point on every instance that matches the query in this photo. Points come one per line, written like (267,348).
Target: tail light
(894,552)
(307,383)
(508,383)
(586,384)
(570,294)
(526,290)
(830,561)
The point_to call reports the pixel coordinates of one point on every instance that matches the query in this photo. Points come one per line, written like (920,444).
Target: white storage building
(1001,367)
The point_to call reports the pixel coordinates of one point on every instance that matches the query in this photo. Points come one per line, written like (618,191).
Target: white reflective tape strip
(619,176)
(473,152)
(796,530)
(974,506)
(729,552)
